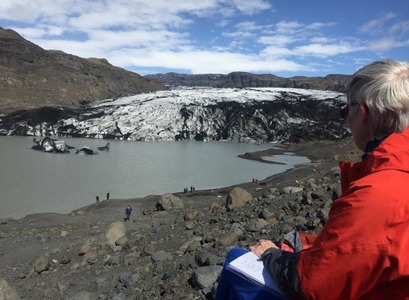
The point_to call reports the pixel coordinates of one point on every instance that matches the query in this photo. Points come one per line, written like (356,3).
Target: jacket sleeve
(353,254)
(282,266)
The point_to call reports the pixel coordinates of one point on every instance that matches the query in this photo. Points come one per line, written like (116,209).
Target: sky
(281,37)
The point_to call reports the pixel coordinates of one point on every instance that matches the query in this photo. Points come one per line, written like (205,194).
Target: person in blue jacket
(128,211)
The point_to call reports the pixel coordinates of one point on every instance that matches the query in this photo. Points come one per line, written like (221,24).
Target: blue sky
(281,37)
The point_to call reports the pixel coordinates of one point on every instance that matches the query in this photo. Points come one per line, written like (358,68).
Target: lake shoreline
(34,182)
(323,155)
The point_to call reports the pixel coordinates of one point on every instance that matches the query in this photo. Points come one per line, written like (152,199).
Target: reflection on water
(32,181)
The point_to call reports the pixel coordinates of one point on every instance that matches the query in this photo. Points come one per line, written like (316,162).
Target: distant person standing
(107,196)
(128,211)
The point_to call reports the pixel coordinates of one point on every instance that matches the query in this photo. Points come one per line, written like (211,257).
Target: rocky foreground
(174,245)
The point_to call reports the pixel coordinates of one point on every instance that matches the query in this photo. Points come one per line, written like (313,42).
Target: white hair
(383,86)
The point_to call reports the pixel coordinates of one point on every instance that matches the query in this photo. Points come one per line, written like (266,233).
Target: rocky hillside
(31,77)
(244,80)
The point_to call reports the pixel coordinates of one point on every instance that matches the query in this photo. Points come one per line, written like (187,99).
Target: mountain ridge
(333,82)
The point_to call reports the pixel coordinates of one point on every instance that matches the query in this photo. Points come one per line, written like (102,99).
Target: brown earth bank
(174,246)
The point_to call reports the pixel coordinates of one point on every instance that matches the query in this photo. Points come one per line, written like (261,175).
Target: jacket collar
(391,153)
(371,146)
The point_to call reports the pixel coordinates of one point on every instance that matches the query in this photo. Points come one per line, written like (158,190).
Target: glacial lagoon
(34,182)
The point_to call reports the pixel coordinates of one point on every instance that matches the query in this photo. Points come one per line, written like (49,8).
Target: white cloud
(324,50)
(281,40)
(251,7)
(383,44)
(289,40)
(385,34)
(288,27)
(386,43)
(276,51)
(375,26)
(130,16)
(320,40)
(301,30)
(30,11)
(33,33)
(82,49)
(246,30)
(159,39)
(203,61)
(239,34)
(248,26)
(399,28)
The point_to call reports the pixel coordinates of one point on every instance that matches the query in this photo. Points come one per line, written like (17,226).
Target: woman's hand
(262,246)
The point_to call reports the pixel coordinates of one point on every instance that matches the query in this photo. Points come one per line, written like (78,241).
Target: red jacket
(363,249)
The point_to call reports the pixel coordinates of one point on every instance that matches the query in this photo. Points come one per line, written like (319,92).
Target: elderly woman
(363,249)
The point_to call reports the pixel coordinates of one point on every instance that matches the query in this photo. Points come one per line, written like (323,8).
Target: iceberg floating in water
(48,144)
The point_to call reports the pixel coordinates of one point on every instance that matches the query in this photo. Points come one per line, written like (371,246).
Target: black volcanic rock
(174,79)
(32,77)
(243,80)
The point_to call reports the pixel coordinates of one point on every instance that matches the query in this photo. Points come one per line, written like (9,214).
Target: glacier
(251,115)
